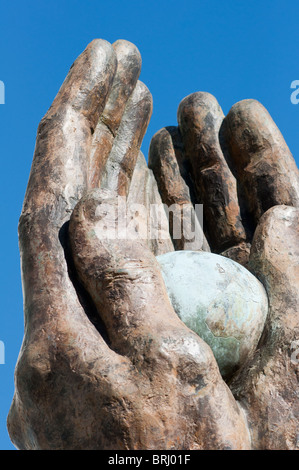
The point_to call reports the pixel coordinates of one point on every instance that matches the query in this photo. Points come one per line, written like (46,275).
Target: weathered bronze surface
(106,363)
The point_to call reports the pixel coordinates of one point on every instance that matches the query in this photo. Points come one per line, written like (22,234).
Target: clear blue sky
(233,49)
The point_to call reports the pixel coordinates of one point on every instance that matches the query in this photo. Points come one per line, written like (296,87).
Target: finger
(128,71)
(58,173)
(166,161)
(125,281)
(239,253)
(122,276)
(56,325)
(88,82)
(148,214)
(122,158)
(119,272)
(57,180)
(200,118)
(268,383)
(264,165)
(124,82)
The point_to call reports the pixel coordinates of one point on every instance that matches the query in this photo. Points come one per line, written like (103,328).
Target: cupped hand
(105,362)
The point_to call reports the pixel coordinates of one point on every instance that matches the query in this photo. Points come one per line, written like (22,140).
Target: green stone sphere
(218,299)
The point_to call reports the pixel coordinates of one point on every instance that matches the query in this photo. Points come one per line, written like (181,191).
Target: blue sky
(233,49)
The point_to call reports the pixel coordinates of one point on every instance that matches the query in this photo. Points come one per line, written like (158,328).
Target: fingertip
(142,91)
(99,44)
(127,73)
(122,158)
(139,107)
(247,109)
(88,82)
(129,64)
(127,51)
(195,102)
(262,160)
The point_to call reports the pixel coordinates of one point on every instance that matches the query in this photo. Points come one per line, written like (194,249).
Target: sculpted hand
(240,168)
(106,363)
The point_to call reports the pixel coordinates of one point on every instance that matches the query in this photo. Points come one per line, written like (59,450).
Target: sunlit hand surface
(106,363)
